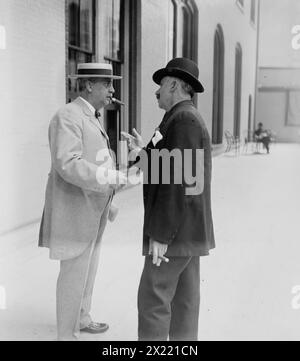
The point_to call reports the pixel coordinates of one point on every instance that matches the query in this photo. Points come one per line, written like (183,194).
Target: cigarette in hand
(128,136)
(164,259)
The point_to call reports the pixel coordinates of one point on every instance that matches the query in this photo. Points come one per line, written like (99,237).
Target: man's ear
(88,86)
(173,85)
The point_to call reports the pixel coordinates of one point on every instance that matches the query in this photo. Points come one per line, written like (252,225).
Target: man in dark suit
(178,226)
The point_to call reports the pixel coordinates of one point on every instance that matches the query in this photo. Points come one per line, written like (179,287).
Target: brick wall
(32,88)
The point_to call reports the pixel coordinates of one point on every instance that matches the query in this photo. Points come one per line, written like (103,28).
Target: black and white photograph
(150,173)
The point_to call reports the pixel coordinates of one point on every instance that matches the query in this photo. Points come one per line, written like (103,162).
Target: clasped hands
(112,178)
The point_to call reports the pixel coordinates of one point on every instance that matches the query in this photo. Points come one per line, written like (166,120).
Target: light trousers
(75,286)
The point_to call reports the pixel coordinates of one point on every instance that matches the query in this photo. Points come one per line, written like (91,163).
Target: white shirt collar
(92,109)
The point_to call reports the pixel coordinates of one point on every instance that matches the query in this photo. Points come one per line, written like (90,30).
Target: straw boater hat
(95,70)
(181,68)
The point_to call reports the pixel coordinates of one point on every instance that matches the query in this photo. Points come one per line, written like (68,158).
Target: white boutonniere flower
(157,137)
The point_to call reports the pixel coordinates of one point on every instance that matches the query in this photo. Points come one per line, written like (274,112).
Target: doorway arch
(185,29)
(238,90)
(218,87)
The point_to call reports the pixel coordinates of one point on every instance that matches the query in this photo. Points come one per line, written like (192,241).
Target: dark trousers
(266,142)
(169,300)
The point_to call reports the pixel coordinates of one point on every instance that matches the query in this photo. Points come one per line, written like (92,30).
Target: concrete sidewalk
(246,282)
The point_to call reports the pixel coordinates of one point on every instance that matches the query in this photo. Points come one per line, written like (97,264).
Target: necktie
(98,116)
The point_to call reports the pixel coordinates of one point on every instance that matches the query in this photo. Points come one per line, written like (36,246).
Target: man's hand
(158,251)
(111,178)
(135,142)
(117,180)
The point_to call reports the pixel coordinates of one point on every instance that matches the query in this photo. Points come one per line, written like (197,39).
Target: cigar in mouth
(117,101)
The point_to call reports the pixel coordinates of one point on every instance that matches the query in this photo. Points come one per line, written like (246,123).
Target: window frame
(192,11)
(70,94)
(288,122)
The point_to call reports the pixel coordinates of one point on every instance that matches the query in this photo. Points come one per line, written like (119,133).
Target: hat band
(107,72)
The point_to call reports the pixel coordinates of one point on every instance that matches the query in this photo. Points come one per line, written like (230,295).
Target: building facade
(278,98)
(42,42)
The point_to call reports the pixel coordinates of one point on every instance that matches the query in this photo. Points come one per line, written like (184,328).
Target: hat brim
(114,77)
(181,74)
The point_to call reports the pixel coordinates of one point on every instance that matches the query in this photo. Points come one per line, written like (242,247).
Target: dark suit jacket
(184,222)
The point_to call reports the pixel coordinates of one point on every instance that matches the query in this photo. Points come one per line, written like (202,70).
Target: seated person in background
(262,136)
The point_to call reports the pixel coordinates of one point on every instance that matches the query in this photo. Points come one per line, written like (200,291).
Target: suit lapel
(99,125)
(91,117)
(167,121)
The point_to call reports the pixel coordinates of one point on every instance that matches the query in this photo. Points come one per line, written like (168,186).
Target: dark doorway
(185,29)
(115,55)
(123,55)
(250,119)
(238,91)
(218,87)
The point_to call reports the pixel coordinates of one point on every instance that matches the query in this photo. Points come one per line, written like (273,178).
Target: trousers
(75,286)
(169,300)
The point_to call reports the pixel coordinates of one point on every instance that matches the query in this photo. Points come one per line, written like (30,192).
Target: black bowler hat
(181,68)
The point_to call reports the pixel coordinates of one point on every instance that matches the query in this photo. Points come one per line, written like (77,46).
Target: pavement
(247,282)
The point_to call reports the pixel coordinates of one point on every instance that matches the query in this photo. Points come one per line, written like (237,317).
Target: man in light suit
(178,226)
(79,192)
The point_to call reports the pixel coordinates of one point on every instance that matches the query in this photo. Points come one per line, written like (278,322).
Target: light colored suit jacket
(75,201)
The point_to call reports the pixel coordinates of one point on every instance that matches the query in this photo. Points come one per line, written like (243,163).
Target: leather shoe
(95,327)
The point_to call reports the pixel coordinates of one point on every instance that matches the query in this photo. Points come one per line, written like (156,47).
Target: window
(81,38)
(112,43)
(185,29)
(119,44)
(293,108)
(253,11)
(112,40)
(112,29)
